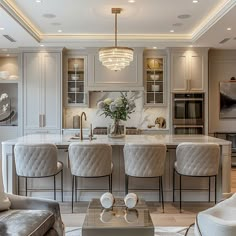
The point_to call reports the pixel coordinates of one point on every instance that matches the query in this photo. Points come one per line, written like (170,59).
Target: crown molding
(17,15)
(11,8)
(212,18)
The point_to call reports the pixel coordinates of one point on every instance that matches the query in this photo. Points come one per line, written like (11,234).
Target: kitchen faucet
(81,124)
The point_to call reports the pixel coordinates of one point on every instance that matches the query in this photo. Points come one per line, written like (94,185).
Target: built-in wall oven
(188,113)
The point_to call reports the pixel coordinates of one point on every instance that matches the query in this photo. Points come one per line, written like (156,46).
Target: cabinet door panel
(32,84)
(196,73)
(179,72)
(51,90)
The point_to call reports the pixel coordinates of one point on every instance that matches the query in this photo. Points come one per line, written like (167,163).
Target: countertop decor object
(131,200)
(116,58)
(118,110)
(107,200)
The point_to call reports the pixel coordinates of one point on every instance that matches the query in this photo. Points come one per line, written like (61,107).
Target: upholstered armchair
(21,216)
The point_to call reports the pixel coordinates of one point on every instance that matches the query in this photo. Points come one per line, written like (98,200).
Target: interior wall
(222,67)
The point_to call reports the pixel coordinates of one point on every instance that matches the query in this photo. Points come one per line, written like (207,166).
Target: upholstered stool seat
(219,220)
(37,161)
(90,160)
(145,161)
(196,160)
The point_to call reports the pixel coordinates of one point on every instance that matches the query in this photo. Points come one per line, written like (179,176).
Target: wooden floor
(171,217)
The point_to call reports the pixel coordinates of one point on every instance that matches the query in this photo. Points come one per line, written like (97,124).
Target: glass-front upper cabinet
(154,80)
(76,94)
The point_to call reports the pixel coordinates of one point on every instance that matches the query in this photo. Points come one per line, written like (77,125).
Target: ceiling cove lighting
(116,58)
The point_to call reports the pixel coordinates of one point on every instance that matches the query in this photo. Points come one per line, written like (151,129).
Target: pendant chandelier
(116,58)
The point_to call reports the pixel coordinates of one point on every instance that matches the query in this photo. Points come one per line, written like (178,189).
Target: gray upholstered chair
(196,160)
(24,216)
(145,161)
(37,161)
(90,161)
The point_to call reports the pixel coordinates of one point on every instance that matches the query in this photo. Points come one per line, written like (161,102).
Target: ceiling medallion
(116,58)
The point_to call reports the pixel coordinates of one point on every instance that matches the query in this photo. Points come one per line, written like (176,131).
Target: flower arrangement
(118,109)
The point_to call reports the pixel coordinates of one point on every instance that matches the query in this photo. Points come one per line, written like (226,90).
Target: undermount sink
(75,138)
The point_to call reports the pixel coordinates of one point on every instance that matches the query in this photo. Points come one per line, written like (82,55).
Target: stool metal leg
(180,194)
(54,180)
(18,190)
(126,184)
(209,187)
(174,185)
(72,195)
(26,186)
(159,188)
(162,195)
(75,188)
(111,183)
(62,185)
(215,188)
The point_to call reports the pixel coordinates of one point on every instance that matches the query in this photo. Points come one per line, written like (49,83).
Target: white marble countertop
(65,140)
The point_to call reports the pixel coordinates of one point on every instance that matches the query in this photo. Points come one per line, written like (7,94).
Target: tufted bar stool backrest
(144,160)
(197,159)
(35,160)
(88,160)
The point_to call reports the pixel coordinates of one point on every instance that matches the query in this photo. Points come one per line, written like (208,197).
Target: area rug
(159,231)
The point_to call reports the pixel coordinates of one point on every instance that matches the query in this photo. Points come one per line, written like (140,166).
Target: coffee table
(117,221)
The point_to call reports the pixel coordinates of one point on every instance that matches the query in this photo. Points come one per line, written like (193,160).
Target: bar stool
(37,161)
(90,161)
(145,161)
(196,160)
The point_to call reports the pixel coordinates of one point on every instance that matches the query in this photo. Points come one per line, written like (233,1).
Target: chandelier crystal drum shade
(116,58)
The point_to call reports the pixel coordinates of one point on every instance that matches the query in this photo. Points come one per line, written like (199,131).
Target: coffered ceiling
(90,23)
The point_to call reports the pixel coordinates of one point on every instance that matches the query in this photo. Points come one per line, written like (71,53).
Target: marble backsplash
(141,118)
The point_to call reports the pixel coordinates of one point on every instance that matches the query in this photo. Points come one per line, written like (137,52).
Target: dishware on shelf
(155,87)
(74,89)
(4,74)
(75,77)
(154,77)
(76,66)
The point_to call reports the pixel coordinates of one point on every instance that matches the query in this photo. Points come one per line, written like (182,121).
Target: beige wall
(222,66)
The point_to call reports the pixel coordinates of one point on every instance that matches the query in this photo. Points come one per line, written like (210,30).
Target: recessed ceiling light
(1,28)
(59,31)
(184,16)
(177,24)
(49,15)
(172,31)
(56,23)
(229,28)
(38,1)
(195,1)
(131,1)
(41,45)
(154,47)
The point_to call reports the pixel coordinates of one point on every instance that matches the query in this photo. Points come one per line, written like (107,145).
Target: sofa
(24,216)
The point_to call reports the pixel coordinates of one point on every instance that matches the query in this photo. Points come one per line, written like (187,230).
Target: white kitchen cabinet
(75,81)
(154,78)
(189,70)
(128,79)
(42,92)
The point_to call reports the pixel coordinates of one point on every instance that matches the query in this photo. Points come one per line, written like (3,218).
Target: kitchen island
(62,142)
